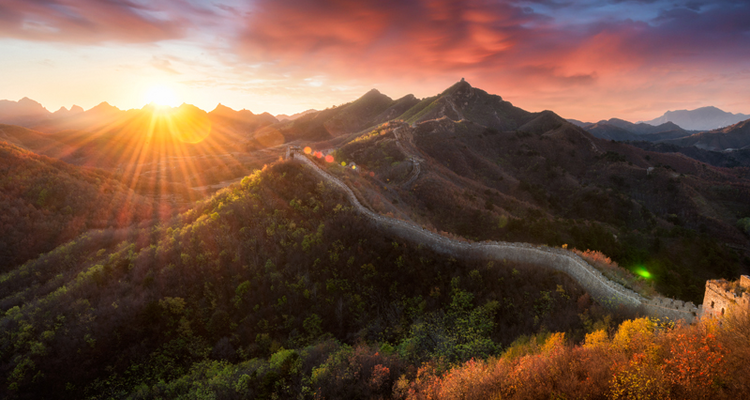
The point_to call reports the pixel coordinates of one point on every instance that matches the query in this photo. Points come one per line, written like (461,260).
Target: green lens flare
(643,272)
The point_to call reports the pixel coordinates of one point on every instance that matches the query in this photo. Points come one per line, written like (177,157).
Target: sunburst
(161,95)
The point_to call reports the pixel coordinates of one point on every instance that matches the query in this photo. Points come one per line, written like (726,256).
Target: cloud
(546,49)
(407,37)
(81,21)
(163,64)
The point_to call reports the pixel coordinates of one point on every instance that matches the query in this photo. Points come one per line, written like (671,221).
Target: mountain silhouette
(700,119)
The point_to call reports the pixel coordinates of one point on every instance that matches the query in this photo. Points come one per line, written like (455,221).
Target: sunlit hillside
(278,261)
(47,203)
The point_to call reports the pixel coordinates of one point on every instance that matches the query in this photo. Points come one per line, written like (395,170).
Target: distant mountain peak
(459,88)
(700,119)
(27,100)
(373,95)
(22,111)
(222,108)
(104,107)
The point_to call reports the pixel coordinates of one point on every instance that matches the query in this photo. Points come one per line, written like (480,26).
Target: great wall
(605,291)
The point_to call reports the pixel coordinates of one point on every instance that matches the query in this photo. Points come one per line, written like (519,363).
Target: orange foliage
(640,361)
(595,256)
(695,365)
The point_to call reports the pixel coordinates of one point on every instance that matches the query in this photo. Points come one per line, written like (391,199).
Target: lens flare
(308,150)
(329,158)
(642,272)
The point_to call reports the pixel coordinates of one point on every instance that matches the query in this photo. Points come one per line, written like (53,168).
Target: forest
(275,264)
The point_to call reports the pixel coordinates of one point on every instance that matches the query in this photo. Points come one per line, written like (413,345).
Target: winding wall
(605,291)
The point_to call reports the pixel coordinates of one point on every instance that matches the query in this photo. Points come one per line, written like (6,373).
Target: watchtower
(723,297)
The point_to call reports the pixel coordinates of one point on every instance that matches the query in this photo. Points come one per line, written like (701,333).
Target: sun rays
(161,96)
(171,154)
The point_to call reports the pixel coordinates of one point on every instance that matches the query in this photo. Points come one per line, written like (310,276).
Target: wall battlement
(724,297)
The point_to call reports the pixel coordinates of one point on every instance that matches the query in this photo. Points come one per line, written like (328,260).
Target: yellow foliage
(554,343)
(640,379)
(596,339)
(633,332)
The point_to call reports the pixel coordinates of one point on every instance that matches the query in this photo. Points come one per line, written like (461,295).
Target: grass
(413,114)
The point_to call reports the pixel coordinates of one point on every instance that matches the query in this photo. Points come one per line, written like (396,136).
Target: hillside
(724,159)
(342,284)
(734,137)
(371,109)
(550,182)
(37,142)
(621,130)
(462,101)
(47,203)
(700,119)
(175,153)
(275,263)
(240,121)
(22,112)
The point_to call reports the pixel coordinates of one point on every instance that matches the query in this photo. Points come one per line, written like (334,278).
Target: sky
(589,59)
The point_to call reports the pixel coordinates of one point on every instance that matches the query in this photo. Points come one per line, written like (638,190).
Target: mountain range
(276,286)
(31,114)
(702,119)
(733,137)
(621,130)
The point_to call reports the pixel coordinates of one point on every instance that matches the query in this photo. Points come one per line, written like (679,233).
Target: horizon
(589,61)
(259,112)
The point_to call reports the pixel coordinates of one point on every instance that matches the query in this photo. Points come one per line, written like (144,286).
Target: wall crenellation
(724,297)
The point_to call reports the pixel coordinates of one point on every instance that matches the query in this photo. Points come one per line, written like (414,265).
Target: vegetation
(641,359)
(276,288)
(47,202)
(273,278)
(638,283)
(551,187)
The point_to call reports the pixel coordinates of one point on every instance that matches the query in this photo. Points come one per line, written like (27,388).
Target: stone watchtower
(724,297)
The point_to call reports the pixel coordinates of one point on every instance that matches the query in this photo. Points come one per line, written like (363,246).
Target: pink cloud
(409,39)
(404,37)
(540,53)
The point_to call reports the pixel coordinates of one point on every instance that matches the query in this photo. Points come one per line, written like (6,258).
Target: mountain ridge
(703,118)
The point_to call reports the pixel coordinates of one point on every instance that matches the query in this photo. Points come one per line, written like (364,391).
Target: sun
(162,96)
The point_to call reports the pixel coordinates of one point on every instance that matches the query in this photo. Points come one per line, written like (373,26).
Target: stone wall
(720,299)
(605,291)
